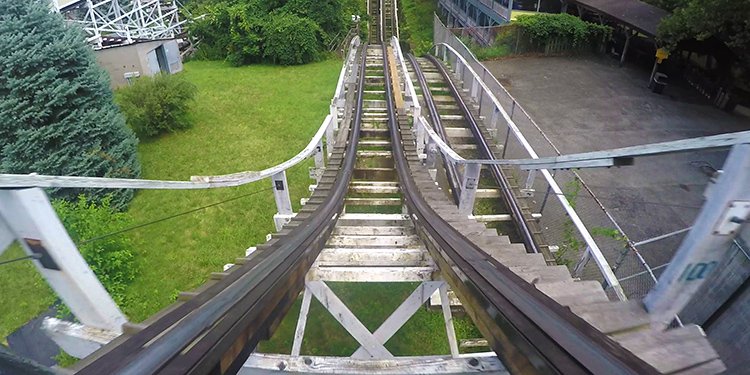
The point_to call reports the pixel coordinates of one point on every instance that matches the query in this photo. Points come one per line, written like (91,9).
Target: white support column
(6,236)
(726,210)
(448,318)
(528,189)
(330,137)
(334,112)
(30,217)
(317,172)
(469,188)
(283,202)
(475,89)
(431,152)
(346,318)
(421,137)
(402,314)
(299,333)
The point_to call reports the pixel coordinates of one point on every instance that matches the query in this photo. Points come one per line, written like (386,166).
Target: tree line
(286,32)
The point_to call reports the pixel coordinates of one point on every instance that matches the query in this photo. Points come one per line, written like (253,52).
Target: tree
(57,114)
(291,40)
(728,20)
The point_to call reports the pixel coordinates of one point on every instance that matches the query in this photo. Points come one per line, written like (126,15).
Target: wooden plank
(259,363)
(398,96)
(371,274)
(372,257)
(613,317)
(574,293)
(672,350)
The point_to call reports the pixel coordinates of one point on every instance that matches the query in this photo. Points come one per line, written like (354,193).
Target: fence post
(283,202)
(469,188)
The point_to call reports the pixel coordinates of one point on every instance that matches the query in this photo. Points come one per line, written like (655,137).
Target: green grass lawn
(246,118)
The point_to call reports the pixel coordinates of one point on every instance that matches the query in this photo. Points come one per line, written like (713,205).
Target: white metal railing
(277,173)
(27,216)
(478,91)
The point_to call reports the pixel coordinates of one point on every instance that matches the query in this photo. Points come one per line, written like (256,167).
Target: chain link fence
(588,239)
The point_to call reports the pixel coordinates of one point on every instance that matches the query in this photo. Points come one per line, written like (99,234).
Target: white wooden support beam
(299,333)
(317,172)
(448,318)
(402,314)
(6,236)
(330,137)
(469,188)
(76,339)
(720,221)
(283,201)
(475,89)
(346,318)
(528,189)
(421,134)
(334,112)
(431,152)
(30,217)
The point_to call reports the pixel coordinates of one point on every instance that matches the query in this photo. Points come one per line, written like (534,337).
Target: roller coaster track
(215,331)
(536,318)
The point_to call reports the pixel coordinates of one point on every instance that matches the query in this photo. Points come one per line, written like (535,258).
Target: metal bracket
(734,216)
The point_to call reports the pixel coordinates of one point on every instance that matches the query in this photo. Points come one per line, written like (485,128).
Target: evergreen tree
(57,114)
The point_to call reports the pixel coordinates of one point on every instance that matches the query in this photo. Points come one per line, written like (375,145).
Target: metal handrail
(596,252)
(196,182)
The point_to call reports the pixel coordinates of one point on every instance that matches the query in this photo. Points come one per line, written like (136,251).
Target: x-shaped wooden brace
(372,343)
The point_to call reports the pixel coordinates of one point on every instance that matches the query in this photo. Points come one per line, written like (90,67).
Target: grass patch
(23,291)
(244,120)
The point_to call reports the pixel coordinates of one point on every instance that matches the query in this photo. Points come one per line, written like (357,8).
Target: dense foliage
(417,26)
(286,32)
(110,258)
(728,20)
(158,104)
(57,115)
(542,28)
(291,40)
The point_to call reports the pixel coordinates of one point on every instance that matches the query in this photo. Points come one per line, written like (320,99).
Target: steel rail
(454,180)
(547,337)
(196,336)
(515,210)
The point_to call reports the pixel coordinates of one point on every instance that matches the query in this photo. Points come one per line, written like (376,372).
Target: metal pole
(720,221)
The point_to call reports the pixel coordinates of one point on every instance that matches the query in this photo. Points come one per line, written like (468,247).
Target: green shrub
(110,258)
(158,104)
(542,28)
(291,40)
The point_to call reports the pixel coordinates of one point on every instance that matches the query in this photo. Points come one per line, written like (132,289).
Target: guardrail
(489,104)
(277,173)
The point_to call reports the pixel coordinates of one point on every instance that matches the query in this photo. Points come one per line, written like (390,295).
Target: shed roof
(640,16)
